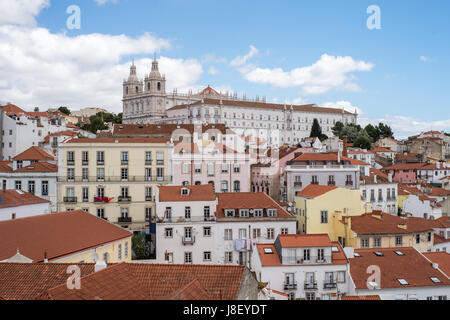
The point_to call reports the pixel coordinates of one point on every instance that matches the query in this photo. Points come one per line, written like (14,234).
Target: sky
(295,52)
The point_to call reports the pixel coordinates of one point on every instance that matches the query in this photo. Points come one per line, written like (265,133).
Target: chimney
(345,153)
(402,226)
(375,178)
(100,265)
(45,257)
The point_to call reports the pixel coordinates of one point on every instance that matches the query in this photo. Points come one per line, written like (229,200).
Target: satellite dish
(289,209)
(290,204)
(251,210)
(94,256)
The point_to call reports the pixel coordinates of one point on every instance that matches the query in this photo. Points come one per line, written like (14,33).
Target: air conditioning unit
(251,210)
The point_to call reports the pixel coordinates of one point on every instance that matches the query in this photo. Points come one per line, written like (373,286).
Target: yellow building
(65,237)
(113,178)
(320,208)
(382,230)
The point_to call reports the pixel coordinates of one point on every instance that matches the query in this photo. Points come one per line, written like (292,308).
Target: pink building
(206,162)
(404,172)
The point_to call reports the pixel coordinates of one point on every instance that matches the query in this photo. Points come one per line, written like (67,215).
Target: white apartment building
(34,171)
(196,225)
(15,204)
(305,267)
(434,172)
(380,191)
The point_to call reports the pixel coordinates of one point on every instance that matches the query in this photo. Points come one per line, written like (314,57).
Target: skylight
(334,249)
(435,280)
(357,254)
(402,281)
(378,253)
(268,250)
(399,253)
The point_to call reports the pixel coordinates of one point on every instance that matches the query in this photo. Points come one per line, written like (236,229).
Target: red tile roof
(203,192)
(39,114)
(405,166)
(305,240)
(12,198)
(4,166)
(263,105)
(11,109)
(59,234)
(313,191)
(163,129)
(25,281)
(34,153)
(119,140)
(39,167)
(381,149)
(442,259)
(371,297)
(331,156)
(247,200)
(412,266)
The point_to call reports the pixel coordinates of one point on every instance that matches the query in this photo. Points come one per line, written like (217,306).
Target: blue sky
(398,74)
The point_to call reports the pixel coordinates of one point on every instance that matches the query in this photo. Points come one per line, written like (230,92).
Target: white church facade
(275,124)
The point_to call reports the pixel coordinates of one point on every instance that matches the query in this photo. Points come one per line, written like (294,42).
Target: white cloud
(212,70)
(404,127)
(242,60)
(346,105)
(297,101)
(423,58)
(328,73)
(40,68)
(21,12)
(102,2)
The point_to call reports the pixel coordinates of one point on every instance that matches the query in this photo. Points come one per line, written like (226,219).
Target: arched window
(137,90)
(159,86)
(197,183)
(126,90)
(148,86)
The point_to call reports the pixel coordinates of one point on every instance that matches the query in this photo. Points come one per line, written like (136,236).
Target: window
(341,276)
(85,174)
(399,241)
(31,187)
(256,233)
(85,193)
(210,169)
(258,213)
(160,174)
(18,185)
(168,213)
(71,174)
(100,157)
(100,174)
(429,236)
(377,242)
(270,233)
(124,158)
(206,213)
(417,238)
(160,158)
(435,280)
(228,234)
(237,186)
(19,164)
(364,243)
(187,212)
(197,168)
(310,295)
(148,213)
(188,257)
(126,250)
(45,188)
(243,213)
(229,213)
(70,158)
(229,257)
(124,212)
(84,157)
(402,281)
(148,157)
(148,174)
(271,212)
(185,168)
(306,254)
(207,256)
(206,231)
(101,192)
(242,233)
(323,216)
(169,232)
(237,168)
(224,168)
(124,173)
(320,254)
(101,213)
(119,252)
(224,186)
(284,230)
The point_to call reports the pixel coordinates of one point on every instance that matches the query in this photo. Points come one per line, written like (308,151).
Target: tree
(362,142)
(337,129)
(140,246)
(64,110)
(373,132)
(316,130)
(385,130)
(97,123)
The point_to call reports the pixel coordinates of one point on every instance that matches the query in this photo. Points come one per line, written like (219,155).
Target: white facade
(418,208)
(382,196)
(25,211)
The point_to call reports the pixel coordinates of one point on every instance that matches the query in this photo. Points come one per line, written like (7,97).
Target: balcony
(85,199)
(314,182)
(290,286)
(70,199)
(348,183)
(159,162)
(298,184)
(148,162)
(188,240)
(332,183)
(124,220)
(85,162)
(124,162)
(70,162)
(124,199)
(101,162)
(330,285)
(310,285)
(149,198)
(108,178)
(102,199)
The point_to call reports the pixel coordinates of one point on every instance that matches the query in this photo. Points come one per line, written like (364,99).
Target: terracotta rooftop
(203,192)
(313,191)
(39,167)
(127,281)
(34,153)
(376,149)
(331,157)
(4,166)
(405,166)
(59,234)
(371,297)
(442,259)
(263,105)
(12,198)
(247,200)
(11,109)
(411,266)
(119,140)
(25,281)
(304,240)
(164,129)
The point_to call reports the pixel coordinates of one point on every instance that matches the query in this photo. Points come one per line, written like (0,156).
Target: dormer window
(229,213)
(271,212)
(184,191)
(243,213)
(258,213)
(19,164)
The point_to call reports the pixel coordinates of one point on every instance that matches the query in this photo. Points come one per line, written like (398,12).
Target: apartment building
(379,190)
(114,178)
(305,267)
(195,225)
(15,204)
